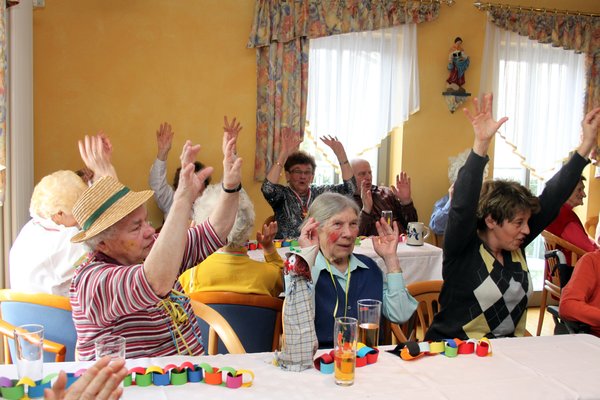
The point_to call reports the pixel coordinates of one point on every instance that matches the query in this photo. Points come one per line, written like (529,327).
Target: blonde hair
(244,219)
(56,192)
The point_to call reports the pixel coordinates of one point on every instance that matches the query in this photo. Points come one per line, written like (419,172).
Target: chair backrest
(590,225)
(51,311)
(427,293)
(255,318)
(218,330)
(551,242)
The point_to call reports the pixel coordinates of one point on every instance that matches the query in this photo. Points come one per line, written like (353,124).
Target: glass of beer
(369,313)
(387,215)
(344,346)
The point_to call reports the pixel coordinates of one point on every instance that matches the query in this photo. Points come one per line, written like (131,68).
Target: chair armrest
(8,330)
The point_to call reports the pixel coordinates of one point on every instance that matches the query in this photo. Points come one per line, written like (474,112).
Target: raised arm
(289,143)
(589,137)
(96,153)
(402,189)
(231,130)
(484,125)
(164,260)
(265,238)
(163,192)
(222,219)
(338,149)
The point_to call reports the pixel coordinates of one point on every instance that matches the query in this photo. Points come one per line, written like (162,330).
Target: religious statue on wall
(458,63)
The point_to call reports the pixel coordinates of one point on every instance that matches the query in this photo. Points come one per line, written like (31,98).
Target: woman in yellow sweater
(230,269)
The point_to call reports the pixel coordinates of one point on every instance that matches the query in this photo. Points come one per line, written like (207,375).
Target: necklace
(336,289)
(303,205)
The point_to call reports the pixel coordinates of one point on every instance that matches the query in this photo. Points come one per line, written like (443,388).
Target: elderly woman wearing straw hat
(128,286)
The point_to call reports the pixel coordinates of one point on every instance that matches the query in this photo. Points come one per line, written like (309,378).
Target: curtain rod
(484,6)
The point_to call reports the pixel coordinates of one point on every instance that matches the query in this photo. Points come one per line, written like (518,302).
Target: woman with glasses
(290,203)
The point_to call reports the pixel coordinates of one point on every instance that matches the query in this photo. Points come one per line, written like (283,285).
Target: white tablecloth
(418,263)
(545,367)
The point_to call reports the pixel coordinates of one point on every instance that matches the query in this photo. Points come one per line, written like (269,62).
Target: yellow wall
(127,66)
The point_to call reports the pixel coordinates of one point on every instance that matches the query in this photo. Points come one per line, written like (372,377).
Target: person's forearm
(276,168)
(222,218)
(164,261)
(345,166)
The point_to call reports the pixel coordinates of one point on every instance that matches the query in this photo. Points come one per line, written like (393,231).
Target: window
(541,89)
(360,86)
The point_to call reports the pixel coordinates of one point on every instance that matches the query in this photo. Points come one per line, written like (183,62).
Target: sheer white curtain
(541,89)
(362,85)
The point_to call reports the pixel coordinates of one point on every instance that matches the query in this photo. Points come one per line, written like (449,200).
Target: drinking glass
(29,344)
(369,313)
(387,215)
(110,345)
(344,347)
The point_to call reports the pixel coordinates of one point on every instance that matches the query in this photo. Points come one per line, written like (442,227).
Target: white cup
(29,344)
(416,233)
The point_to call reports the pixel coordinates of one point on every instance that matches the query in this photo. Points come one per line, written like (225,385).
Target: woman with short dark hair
(486,280)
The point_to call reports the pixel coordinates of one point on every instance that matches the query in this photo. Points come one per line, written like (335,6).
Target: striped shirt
(112,299)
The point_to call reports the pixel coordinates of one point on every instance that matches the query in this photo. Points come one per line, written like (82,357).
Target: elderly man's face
(132,239)
(362,173)
(337,235)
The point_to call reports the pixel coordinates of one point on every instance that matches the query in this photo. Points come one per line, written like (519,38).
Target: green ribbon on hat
(109,202)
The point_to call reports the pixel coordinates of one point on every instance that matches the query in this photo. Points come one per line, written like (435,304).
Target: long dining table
(544,367)
(418,263)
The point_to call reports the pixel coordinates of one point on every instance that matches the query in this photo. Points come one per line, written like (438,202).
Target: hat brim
(114,214)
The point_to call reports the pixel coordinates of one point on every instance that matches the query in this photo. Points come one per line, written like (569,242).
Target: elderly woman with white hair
(230,269)
(51,266)
(340,277)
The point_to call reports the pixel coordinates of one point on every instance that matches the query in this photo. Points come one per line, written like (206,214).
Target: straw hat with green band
(104,204)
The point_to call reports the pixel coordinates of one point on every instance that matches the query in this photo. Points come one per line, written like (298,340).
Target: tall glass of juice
(345,333)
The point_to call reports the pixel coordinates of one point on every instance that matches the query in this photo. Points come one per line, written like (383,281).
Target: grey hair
(103,236)
(327,205)
(244,219)
(456,163)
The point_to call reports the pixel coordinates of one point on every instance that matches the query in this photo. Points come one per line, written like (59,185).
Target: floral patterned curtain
(3,73)
(580,33)
(280,33)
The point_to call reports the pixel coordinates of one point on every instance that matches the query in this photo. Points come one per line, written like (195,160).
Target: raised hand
(96,153)
(191,184)
(484,125)
(366,196)
(164,141)
(589,137)
(289,143)
(232,166)
(230,131)
(265,238)
(402,188)
(101,381)
(308,234)
(386,243)
(334,144)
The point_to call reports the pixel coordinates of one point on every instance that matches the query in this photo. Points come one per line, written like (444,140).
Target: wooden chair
(552,282)
(51,311)
(255,318)
(427,294)
(219,329)
(8,332)
(590,226)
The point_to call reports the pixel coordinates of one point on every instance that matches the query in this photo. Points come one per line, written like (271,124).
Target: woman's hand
(484,125)
(230,131)
(265,238)
(101,381)
(309,235)
(589,136)
(164,141)
(96,153)
(385,244)
(232,166)
(191,184)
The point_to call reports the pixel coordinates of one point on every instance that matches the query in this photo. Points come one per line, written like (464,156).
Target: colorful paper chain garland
(409,351)
(364,356)
(171,374)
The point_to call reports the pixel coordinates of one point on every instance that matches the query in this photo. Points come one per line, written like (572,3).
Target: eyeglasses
(300,172)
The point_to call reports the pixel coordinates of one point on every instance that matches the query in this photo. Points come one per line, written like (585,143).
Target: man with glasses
(290,203)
